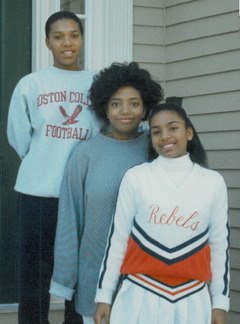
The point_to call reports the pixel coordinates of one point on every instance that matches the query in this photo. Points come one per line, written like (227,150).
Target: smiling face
(169,134)
(65,41)
(125,111)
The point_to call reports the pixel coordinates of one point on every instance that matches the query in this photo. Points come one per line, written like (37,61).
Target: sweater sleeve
(219,244)
(19,128)
(117,242)
(69,226)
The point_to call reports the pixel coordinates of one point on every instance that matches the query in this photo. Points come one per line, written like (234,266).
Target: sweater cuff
(104,296)
(220,302)
(61,291)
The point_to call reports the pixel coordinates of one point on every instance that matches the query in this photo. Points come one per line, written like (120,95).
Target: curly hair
(119,75)
(195,148)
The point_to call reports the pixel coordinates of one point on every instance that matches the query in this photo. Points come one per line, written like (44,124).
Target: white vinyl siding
(148,36)
(193,49)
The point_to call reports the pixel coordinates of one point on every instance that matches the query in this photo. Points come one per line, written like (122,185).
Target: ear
(144,113)
(189,133)
(48,44)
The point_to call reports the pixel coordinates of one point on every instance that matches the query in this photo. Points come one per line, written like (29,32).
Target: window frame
(108,32)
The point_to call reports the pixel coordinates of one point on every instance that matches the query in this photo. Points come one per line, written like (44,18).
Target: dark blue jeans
(37,227)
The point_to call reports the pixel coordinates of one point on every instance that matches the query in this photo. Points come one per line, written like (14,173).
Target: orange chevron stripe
(165,290)
(195,267)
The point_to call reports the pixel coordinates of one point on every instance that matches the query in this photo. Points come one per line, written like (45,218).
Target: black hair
(195,148)
(62,15)
(119,75)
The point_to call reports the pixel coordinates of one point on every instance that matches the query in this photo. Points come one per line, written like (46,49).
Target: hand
(102,311)
(218,316)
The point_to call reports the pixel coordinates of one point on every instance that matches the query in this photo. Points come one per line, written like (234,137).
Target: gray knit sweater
(87,201)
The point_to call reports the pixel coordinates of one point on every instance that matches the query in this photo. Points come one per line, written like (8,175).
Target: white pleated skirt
(136,305)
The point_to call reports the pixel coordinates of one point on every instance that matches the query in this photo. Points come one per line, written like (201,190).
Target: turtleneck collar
(179,164)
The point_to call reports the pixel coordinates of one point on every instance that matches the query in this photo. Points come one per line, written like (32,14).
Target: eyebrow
(170,123)
(60,31)
(133,98)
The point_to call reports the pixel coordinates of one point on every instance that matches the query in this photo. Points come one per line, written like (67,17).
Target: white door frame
(108,32)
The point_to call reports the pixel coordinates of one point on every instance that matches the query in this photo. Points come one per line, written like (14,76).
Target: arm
(19,128)
(117,242)
(102,311)
(219,245)
(69,226)
(218,316)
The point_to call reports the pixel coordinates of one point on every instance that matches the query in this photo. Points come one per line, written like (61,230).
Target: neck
(123,137)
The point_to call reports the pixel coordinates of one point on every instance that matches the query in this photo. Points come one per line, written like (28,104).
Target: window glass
(78,7)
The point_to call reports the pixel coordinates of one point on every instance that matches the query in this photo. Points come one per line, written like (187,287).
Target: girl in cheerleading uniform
(169,239)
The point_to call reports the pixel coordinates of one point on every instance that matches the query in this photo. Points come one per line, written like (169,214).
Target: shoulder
(138,170)
(35,76)
(87,146)
(212,177)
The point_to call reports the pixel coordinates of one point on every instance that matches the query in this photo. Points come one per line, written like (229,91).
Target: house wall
(148,36)
(193,49)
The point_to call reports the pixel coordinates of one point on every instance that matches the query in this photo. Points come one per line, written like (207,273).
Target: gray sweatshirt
(87,201)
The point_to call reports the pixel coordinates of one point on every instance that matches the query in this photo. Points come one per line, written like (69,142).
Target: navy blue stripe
(164,297)
(163,283)
(226,283)
(106,257)
(164,248)
(165,260)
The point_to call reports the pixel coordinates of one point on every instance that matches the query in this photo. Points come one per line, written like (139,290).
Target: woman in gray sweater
(122,96)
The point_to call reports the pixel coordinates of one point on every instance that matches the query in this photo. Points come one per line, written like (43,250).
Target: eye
(115,104)
(173,128)
(75,36)
(155,132)
(57,37)
(135,104)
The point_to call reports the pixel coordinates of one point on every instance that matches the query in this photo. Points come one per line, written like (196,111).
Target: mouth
(168,146)
(68,53)
(126,120)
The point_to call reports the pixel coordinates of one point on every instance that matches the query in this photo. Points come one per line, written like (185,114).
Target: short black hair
(62,15)
(119,75)
(195,148)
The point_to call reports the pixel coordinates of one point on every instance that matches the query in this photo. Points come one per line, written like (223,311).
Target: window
(78,7)
(107,30)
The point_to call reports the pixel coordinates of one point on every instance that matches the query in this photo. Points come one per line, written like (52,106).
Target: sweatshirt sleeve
(69,226)
(117,242)
(219,244)
(19,128)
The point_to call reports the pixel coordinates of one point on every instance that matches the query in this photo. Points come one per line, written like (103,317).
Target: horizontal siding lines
(148,16)
(197,18)
(202,28)
(204,84)
(211,74)
(198,8)
(203,46)
(149,3)
(222,51)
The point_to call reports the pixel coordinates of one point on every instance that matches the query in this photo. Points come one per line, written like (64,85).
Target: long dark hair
(195,148)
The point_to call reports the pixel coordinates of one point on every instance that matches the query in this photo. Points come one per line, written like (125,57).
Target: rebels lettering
(156,217)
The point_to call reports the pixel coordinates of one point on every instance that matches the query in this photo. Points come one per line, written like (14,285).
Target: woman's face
(169,134)
(65,41)
(125,111)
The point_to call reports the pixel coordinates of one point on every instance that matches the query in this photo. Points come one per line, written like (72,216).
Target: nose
(125,108)
(165,134)
(67,40)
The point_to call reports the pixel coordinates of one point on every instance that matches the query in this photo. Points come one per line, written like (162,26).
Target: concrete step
(8,312)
